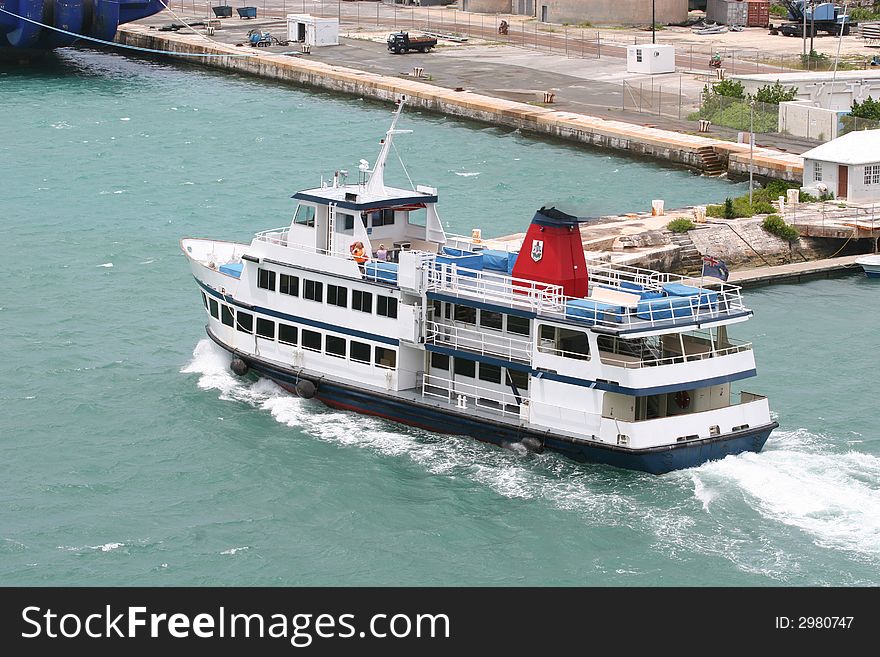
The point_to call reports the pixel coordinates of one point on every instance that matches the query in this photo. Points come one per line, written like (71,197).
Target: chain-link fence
(738,113)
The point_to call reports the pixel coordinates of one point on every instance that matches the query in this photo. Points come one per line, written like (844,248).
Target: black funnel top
(554,217)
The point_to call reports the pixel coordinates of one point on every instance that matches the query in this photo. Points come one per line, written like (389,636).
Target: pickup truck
(401,42)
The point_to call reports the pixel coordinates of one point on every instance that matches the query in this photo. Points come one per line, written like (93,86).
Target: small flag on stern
(715,268)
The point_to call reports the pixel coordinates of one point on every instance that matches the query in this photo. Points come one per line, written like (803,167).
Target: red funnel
(553,253)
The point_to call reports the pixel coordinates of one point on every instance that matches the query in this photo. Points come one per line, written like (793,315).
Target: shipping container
(759,13)
(728,12)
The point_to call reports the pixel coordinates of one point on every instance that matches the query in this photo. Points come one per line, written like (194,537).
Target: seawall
(665,145)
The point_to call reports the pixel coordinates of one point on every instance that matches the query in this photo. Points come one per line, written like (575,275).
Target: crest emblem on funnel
(537,250)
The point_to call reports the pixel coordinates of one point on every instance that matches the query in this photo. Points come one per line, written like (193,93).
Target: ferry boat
(870,264)
(365,303)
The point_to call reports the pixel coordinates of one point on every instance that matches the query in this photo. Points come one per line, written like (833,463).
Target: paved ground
(595,84)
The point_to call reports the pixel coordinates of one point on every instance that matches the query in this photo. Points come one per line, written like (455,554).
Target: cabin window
(266,328)
(311,340)
(383,217)
(287,333)
(334,346)
(245,322)
(215,308)
(563,342)
(337,296)
(439,361)
(465,314)
(490,373)
(313,290)
(362,301)
(386,357)
(346,221)
(305,215)
(386,306)
(266,279)
(228,316)
(872,174)
(518,378)
(289,285)
(204,299)
(359,352)
(442,309)
(465,367)
(519,325)
(491,320)
(817,171)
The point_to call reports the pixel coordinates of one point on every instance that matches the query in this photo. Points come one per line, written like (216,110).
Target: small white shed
(312,30)
(650,58)
(848,167)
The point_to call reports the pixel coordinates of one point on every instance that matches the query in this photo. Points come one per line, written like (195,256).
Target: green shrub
(806,197)
(778,10)
(775,93)
(681,225)
(728,212)
(729,88)
(775,225)
(868,109)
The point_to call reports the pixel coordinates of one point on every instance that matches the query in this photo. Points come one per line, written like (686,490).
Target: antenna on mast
(376,184)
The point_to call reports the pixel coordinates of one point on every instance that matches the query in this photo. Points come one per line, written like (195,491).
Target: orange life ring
(682,399)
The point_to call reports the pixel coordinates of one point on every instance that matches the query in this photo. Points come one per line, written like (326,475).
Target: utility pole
(653,24)
(804,12)
(812,25)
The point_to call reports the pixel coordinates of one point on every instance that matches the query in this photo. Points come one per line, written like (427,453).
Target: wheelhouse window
(359,352)
(465,314)
(382,217)
(362,301)
(244,322)
(465,367)
(289,285)
(345,221)
(305,215)
(215,308)
(204,299)
(491,320)
(385,357)
(563,342)
(386,306)
(287,334)
(337,296)
(311,340)
(334,346)
(439,361)
(266,279)
(519,325)
(313,290)
(228,316)
(265,328)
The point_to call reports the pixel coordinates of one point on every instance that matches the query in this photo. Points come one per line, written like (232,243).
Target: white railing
(466,395)
(480,342)
(496,288)
(609,359)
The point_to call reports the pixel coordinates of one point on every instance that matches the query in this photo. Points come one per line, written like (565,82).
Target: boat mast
(376,184)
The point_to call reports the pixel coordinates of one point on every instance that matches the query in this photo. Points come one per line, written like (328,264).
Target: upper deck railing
(482,342)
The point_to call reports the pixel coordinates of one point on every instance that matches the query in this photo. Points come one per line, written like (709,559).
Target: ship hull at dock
(657,460)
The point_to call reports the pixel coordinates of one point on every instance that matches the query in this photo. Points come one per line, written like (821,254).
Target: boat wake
(797,481)
(801,480)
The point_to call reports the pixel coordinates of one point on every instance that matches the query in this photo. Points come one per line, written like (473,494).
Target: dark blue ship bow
(98,19)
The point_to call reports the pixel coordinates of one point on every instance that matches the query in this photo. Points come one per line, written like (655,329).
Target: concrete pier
(666,145)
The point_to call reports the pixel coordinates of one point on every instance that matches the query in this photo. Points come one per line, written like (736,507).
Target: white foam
(106,264)
(467,174)
(125,118)
(235,550)
(106,547)
(801,482)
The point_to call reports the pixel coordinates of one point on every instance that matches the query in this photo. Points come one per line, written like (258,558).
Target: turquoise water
(130,455)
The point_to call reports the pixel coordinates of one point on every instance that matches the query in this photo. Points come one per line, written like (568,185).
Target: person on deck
(382,253)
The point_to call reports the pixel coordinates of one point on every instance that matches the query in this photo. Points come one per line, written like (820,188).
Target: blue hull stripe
(301,320)
(655,460)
